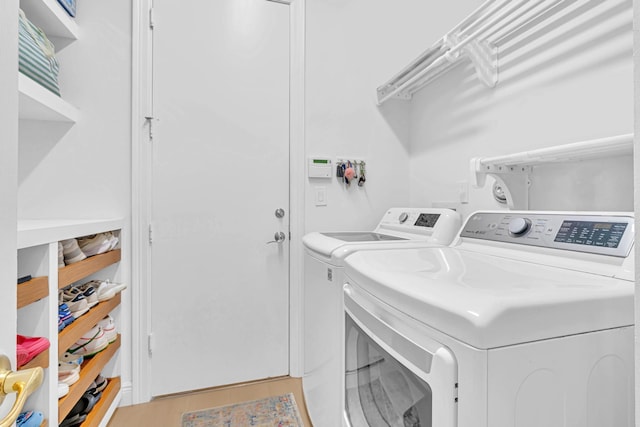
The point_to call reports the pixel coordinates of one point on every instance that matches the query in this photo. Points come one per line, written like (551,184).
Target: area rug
(275,411)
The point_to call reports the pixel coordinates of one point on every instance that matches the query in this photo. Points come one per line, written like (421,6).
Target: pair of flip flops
(79,412)
(29,347)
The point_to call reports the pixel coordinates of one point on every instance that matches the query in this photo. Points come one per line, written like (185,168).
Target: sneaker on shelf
(89,293)
(68,372)
(76,302)
(71,251)
(29,419)
(106,289)
(68,357)
(95,244)
(29,347)
(63,389)
(60,255)
(109,327)
(100,383)
(91,343)
(114,240)
(65,315)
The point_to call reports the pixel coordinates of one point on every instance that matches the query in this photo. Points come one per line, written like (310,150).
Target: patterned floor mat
(280,411)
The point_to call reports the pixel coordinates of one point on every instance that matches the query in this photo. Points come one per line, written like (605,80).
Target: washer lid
(326,243)
(488,301)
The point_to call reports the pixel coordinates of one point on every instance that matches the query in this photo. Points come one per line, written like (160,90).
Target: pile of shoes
(75,250)
(76,300)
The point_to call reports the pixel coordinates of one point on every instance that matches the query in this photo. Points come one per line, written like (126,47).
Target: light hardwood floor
(167,411)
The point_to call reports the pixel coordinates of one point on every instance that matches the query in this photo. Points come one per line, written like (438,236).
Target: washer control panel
(582,232)
(439,226)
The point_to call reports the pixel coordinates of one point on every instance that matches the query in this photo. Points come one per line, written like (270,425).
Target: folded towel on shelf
(36,55)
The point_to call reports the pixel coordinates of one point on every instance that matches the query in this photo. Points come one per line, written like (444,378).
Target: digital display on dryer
(427,220)
(591,233)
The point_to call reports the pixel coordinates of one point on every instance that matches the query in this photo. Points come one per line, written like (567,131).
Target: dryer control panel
(605,234)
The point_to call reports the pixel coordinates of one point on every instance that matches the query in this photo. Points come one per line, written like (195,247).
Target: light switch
(321,196)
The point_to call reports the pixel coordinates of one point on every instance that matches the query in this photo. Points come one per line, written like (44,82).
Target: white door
(219,291)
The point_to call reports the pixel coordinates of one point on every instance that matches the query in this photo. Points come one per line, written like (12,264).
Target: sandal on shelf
(29,347)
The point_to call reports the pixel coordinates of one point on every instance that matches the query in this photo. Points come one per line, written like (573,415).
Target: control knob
(403,217)
(519,226)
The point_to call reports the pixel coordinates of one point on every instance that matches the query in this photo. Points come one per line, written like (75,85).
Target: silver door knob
(279,213)
(279,237)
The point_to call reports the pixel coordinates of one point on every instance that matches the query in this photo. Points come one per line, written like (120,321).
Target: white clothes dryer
(526,320)
(323,301)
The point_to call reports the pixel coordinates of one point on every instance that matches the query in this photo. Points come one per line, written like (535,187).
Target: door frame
(139,391)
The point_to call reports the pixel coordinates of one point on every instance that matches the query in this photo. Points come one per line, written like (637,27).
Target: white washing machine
(323,309)
(526,320)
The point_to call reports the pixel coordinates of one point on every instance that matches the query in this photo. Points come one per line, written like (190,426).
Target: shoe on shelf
(73,421)
(76,302)
(95,244)
(29,347)
(71,251)
(29,419)
(100,383)
(64,314)
(68,357)
(106,289)
(109,327)
(63,390)
(91,343)
(68,372)
(60,255)
(114,240)
(89,293)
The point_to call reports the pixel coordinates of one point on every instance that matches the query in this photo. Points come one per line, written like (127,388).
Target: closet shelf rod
(615,145)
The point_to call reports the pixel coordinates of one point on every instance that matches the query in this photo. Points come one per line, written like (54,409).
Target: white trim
(140,390)
(296,184)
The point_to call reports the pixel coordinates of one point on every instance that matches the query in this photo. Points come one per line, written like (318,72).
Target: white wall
(572,83)
(352,47)
(84,170)
(8,178)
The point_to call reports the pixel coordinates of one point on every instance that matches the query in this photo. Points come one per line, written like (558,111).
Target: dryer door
(392,378)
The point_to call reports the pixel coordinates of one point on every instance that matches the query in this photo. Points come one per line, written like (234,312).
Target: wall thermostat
(320,168)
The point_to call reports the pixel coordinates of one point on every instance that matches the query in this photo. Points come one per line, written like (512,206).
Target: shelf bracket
(483,56)
(514,180)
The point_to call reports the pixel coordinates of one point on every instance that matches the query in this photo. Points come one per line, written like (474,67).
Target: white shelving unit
(37,253)
(37,103)
(52,19)
(512,171)
(38,310)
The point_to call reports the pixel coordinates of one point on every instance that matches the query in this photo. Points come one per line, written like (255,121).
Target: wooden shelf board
(38,103)
(74,272)
(45,423)
(100,410)
(32,291)
(72,333)
(91,368)
(41,360)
